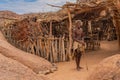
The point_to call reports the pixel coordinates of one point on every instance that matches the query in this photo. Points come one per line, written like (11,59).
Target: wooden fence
(51,48)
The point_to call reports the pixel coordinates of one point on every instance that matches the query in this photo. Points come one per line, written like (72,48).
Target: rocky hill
(9,14)
(8,17)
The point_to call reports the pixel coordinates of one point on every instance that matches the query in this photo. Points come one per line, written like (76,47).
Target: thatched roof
(88,10)
(51,16)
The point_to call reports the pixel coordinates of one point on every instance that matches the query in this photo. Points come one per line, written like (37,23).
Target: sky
(31,6)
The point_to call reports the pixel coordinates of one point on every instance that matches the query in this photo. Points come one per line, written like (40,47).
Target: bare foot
(80,67)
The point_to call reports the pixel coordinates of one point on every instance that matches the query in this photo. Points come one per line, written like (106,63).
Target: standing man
(78,43)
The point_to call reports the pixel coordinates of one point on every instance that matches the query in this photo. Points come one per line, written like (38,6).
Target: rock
(47,72)
(34,62)
(108,69)
(44,72)
(54,64)
(13,70)
(53,69)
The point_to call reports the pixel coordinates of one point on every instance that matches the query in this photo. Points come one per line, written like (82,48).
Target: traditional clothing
(78,43)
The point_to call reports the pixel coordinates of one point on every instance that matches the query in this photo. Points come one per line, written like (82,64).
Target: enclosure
(49,35)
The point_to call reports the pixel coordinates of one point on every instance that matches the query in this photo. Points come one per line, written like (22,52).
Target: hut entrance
(98,25)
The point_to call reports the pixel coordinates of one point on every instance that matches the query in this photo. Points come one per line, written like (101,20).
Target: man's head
(78,23)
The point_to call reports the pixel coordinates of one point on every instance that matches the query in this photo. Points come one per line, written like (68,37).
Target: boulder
(108,69)
(13,70)
(36,63)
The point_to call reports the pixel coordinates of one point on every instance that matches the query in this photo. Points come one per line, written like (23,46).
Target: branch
(54,6)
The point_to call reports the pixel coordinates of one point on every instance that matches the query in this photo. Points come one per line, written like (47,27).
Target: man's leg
(76,59)
(75,56)
(79,59)
(77,63)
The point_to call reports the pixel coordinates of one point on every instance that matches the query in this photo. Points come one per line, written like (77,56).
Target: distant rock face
(13,70)
(108,69)
(8,14)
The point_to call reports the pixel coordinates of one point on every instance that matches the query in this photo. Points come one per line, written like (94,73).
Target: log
(70,33)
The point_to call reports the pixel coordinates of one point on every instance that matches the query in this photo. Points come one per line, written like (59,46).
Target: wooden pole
(63,48)
(39,27)
(70,33)
(50,28)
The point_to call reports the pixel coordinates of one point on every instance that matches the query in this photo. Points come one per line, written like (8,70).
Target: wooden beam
(54,6)
(70,32)
(88,10)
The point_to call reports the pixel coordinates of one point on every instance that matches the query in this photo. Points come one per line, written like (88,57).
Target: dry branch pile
(24,30)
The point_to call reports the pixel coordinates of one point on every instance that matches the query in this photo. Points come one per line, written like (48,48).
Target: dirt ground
(67,70)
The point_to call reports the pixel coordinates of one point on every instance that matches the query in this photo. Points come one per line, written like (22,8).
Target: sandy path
(67,71)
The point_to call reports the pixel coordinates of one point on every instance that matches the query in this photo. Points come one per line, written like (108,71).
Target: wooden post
(55,51)
(63,48)
(70,32)
(50,28)
(59,53)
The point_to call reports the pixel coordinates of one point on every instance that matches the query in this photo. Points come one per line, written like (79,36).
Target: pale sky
(31,6)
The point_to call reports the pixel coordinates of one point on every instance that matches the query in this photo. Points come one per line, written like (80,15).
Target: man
(78,43)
